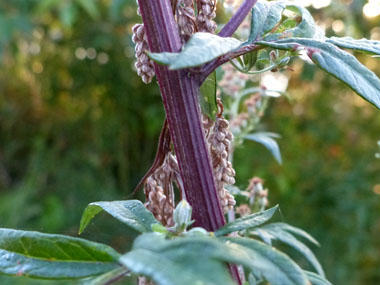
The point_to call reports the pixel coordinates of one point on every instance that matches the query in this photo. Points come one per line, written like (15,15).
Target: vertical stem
(179,90)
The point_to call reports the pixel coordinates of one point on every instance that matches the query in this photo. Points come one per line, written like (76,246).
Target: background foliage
(77,125)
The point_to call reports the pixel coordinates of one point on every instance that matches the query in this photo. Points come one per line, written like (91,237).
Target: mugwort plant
(184,237)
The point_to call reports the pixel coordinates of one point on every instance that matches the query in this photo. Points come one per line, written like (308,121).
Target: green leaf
(267,22)
(274,15)
(259,16)
(177,261)
(131,212)
(266,139)
(247,222)
(336,62)
(315,279)
(278,232)
(250,60)
(307,27)
(208,96)
(296,231)
(362,45)
(200,49)
(106,277)
(46,256)
(266,262)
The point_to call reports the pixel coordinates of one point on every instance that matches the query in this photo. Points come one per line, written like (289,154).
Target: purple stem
(179,91)
(229,29)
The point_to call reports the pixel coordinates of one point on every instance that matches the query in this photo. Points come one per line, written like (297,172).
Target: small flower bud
(182,214)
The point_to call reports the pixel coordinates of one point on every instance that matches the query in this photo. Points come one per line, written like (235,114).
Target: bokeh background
(77,125)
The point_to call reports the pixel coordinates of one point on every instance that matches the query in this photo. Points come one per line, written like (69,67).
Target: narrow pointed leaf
(247,222)
(316,279)
(46,256)
(200,49)
(362,45)
(281,235)
(294,230)
(131,212)
(338,63)
(266,139)
(208,96)
(268,263)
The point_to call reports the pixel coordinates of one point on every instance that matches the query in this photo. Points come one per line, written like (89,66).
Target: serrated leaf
(338,63)
(131,212)
(316,279)
(200,49)
(274,232)
(173,262)
(362,45)
(266,139)
(247,222)
(46,256)
(207,97)
(267,262)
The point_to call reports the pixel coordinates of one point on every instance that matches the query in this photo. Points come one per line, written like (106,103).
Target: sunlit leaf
(338,63)
(200,49)
(362,45)
(131,212)
(46,256)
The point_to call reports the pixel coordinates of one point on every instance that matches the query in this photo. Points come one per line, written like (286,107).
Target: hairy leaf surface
(362,45)
(200,49)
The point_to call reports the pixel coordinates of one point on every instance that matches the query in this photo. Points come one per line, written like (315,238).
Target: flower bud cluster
(159,193)
(258,195)
(206,14)
(144,65)
(185,19)
(220,139)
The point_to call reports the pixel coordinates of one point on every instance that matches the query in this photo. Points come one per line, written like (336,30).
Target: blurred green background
(77,125)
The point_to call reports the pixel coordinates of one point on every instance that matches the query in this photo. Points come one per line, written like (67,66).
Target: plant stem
(232,25)
(179,90)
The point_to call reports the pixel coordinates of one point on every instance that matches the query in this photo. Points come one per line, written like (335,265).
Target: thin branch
(232,25)
(210,67)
